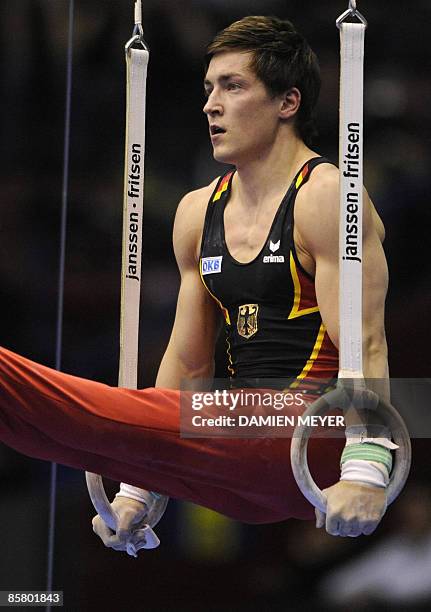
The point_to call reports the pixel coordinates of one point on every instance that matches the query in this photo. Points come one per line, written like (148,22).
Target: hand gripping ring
(156,508)
(339,398)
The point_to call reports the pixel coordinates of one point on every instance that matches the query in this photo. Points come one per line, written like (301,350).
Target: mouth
(215,130)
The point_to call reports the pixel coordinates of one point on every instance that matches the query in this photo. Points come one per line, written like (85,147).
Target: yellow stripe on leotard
(295,312)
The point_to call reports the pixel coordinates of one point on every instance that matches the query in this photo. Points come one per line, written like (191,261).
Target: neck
(267,176)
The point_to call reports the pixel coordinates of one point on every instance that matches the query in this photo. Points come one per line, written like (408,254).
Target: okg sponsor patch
(211,265)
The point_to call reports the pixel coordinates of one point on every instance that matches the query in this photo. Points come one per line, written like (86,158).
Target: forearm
(376,374)
(376,371)
(176,372)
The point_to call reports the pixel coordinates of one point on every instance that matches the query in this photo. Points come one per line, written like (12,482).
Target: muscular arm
(189,356)
(188,359)
(320,241)
(352,508)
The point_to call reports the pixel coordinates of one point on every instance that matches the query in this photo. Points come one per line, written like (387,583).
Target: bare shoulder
(321,193)
(189,222)
(317,207)
(317,212)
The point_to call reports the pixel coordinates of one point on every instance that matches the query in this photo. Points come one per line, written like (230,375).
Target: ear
(290,103)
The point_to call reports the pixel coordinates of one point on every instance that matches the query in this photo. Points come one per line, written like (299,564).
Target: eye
(233,86)
(208,88)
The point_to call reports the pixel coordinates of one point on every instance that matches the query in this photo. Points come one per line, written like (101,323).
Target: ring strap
(351,182)
(133,210)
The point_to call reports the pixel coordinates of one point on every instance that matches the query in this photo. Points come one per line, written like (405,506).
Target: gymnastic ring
(340,398)
(156,509)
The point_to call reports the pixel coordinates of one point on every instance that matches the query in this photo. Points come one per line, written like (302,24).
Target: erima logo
(211,265)
(273,246)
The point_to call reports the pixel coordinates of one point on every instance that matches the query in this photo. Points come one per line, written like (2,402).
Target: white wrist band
(140,495)
(365,472)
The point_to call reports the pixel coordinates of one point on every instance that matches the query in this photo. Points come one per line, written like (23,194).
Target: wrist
(367,457)
(138,494)
(365,472)
(371,434)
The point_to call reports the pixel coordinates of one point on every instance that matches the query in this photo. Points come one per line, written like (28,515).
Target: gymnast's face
(243,118)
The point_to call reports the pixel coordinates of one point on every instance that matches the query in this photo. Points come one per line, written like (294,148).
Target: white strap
(136,493)
(133,209)
(373,434)
(138,12)
(133,202)
(351,185)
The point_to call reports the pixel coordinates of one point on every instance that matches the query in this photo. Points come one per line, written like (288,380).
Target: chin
(224,157)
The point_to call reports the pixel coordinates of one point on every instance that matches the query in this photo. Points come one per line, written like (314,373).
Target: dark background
(205,562)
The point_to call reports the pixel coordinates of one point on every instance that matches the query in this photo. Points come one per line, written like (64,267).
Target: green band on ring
(368,452)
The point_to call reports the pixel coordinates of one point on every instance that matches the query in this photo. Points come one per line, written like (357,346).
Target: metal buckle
(352,11)
(137,38)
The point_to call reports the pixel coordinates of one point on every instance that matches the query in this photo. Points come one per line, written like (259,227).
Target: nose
(213,105)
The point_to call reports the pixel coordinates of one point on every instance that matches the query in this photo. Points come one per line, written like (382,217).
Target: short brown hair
(282,59)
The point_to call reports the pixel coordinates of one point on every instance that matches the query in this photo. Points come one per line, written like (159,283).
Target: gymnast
(257,251)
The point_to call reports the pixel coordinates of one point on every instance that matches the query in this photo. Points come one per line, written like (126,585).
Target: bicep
(190,352)
(374,288)
(322,243)
(196,322)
